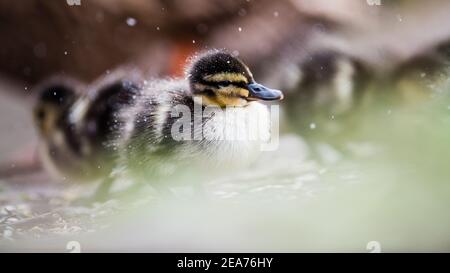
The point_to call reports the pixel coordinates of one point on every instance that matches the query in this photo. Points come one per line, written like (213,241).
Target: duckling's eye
(209,93)
(240,84)
(40,114)
(223,83)
(228,83)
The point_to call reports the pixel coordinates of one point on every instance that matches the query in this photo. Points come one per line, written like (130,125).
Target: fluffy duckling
(214,118)
(328,85)
(57,143)
(75,128)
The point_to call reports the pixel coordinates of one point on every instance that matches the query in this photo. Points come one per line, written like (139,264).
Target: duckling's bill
(260,92)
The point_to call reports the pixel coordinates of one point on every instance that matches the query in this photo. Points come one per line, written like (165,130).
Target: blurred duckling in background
(75,127)
(215,81)
(332,92)
(328,84)
(371,94)
(57,144)
(323,86)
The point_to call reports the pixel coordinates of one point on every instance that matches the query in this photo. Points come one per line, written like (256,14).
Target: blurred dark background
(43,38)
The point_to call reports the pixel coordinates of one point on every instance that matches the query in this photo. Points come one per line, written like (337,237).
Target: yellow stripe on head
(233,91)
(226,76)
(223,91)
(224,98)
(222,101)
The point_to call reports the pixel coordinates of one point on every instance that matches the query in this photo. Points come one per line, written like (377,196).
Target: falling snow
(131,21)
(242,12)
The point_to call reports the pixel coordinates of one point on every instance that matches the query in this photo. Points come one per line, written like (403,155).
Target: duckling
(57,144)
(328,85)
(75,127)
(182,124)
(156,130)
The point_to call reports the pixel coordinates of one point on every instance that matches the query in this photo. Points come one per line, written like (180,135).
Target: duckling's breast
(224,138)
(233,136)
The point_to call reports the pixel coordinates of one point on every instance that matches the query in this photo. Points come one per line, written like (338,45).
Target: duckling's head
(52,102)
(219,79)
